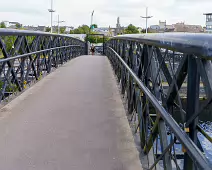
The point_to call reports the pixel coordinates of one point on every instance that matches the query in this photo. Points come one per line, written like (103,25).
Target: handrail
(28,55)
(14,32)
(155,72)
(192,149)
(199,44)
(36,52)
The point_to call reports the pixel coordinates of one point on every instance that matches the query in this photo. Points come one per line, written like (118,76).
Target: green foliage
(107,39)
(144,30)
(78,31)
(9,41)
(95,25)
(62,30)
(84,29)
(2,25)
(96,39)
(131,29)
(71,32)
(30,39)
(48,29)
(18,26)
(9,88)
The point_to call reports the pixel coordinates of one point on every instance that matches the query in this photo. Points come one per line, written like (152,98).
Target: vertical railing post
(103,45)
(130,80)
(192,106)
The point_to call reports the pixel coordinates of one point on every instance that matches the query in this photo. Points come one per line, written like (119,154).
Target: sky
(78,12)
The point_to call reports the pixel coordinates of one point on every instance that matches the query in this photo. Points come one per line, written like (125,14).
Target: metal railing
(26,56)
(162,77)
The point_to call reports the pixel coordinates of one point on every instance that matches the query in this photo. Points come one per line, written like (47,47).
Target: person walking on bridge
(92,49)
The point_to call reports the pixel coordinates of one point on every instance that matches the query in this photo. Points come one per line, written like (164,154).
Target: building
(118,27)
(119,30)
(154,27)
(14,25)
(41,28)
(169,28)
(30,28)
(208,22)
(102,30)
(68,29)
(182,27)
(33,28)
(178,27)
(112,31)
(162,25)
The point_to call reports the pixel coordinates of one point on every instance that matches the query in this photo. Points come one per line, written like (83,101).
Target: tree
(131,29)
(2,25)
(62,30)
(144,30)
(96,39)
(71,32)
(78,31)
(48,29)
(85,29)
(18,25)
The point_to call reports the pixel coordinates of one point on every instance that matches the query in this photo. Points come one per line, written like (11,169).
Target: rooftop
(207,14)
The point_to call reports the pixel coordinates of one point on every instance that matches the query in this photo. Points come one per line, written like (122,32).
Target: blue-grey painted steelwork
(144,64)
(36,52)
(191,43)
(14,32)
(26,56)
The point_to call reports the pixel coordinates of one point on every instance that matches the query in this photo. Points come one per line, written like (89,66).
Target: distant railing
(163,76)
(26,56)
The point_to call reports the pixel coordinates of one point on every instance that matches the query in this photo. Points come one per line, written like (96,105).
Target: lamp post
(51,11)
(59,23)
(147,17)
(92,20)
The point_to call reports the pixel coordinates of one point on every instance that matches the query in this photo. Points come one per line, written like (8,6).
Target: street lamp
(92,19)
(59,24)
(147,17)
(51,11)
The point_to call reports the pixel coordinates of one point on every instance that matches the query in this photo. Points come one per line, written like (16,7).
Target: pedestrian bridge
(63,109)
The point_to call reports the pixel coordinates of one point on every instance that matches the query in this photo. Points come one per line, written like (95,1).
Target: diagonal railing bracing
(167,83)
(26,56)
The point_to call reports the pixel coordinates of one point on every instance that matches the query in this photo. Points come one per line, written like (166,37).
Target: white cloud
(77,12)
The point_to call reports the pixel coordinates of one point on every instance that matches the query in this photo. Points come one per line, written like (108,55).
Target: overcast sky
(77,12)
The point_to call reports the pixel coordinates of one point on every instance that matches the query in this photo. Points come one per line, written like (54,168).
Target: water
(207,146)
(205,122)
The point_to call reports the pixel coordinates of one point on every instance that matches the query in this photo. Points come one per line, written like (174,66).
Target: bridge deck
(71,120)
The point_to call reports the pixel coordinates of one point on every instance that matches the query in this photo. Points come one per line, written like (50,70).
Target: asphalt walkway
(73,119)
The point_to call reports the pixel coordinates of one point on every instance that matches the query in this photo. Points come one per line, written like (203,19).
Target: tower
(118,26)
(118,23)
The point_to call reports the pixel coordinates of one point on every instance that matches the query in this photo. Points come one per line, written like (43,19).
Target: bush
(10,88)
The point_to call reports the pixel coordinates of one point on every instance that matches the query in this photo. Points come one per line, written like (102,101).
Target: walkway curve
(71,120)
